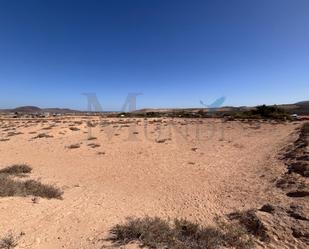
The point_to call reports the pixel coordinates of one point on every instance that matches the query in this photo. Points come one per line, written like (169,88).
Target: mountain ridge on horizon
(36,109)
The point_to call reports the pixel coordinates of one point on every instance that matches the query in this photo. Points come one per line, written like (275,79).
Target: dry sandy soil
(169,168)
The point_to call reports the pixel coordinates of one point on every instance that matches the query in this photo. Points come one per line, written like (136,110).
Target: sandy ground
(168,168)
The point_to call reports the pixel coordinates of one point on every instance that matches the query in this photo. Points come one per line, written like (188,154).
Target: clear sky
(175,52)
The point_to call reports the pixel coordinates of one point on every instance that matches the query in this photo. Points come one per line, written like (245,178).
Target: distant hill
(26,109)
(301,108)
(303,104)
(35,109)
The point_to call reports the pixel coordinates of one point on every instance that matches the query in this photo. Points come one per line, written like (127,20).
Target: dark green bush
(264,112)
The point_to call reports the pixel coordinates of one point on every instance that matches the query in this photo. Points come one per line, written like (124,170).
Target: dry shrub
(304,134)
(48,127)
(11,187)
(156,233)
(8,242)
(251,223)
(161,141)
(74,129)
(16,169)
(42,135)
(90,124)
(93,145)
(151,232)
(10,134)
(74,146)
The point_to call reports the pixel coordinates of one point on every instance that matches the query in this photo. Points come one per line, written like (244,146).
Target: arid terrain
(111,168)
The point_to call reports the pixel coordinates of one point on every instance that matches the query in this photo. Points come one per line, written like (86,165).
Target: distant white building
(294,116)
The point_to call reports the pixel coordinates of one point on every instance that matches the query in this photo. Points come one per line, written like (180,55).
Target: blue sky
(175,52)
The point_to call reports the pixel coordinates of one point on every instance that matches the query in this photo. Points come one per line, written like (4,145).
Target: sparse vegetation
(251,223)
(74,129)
(305,128)
(16,169)
(8,242)
(304,134)
(91,124)
(42,135)
(156,233)
(264,112)
(48,127)
(10,134)
(93,145)
(12,187)
(296,156)
(74,146)
(161,141)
